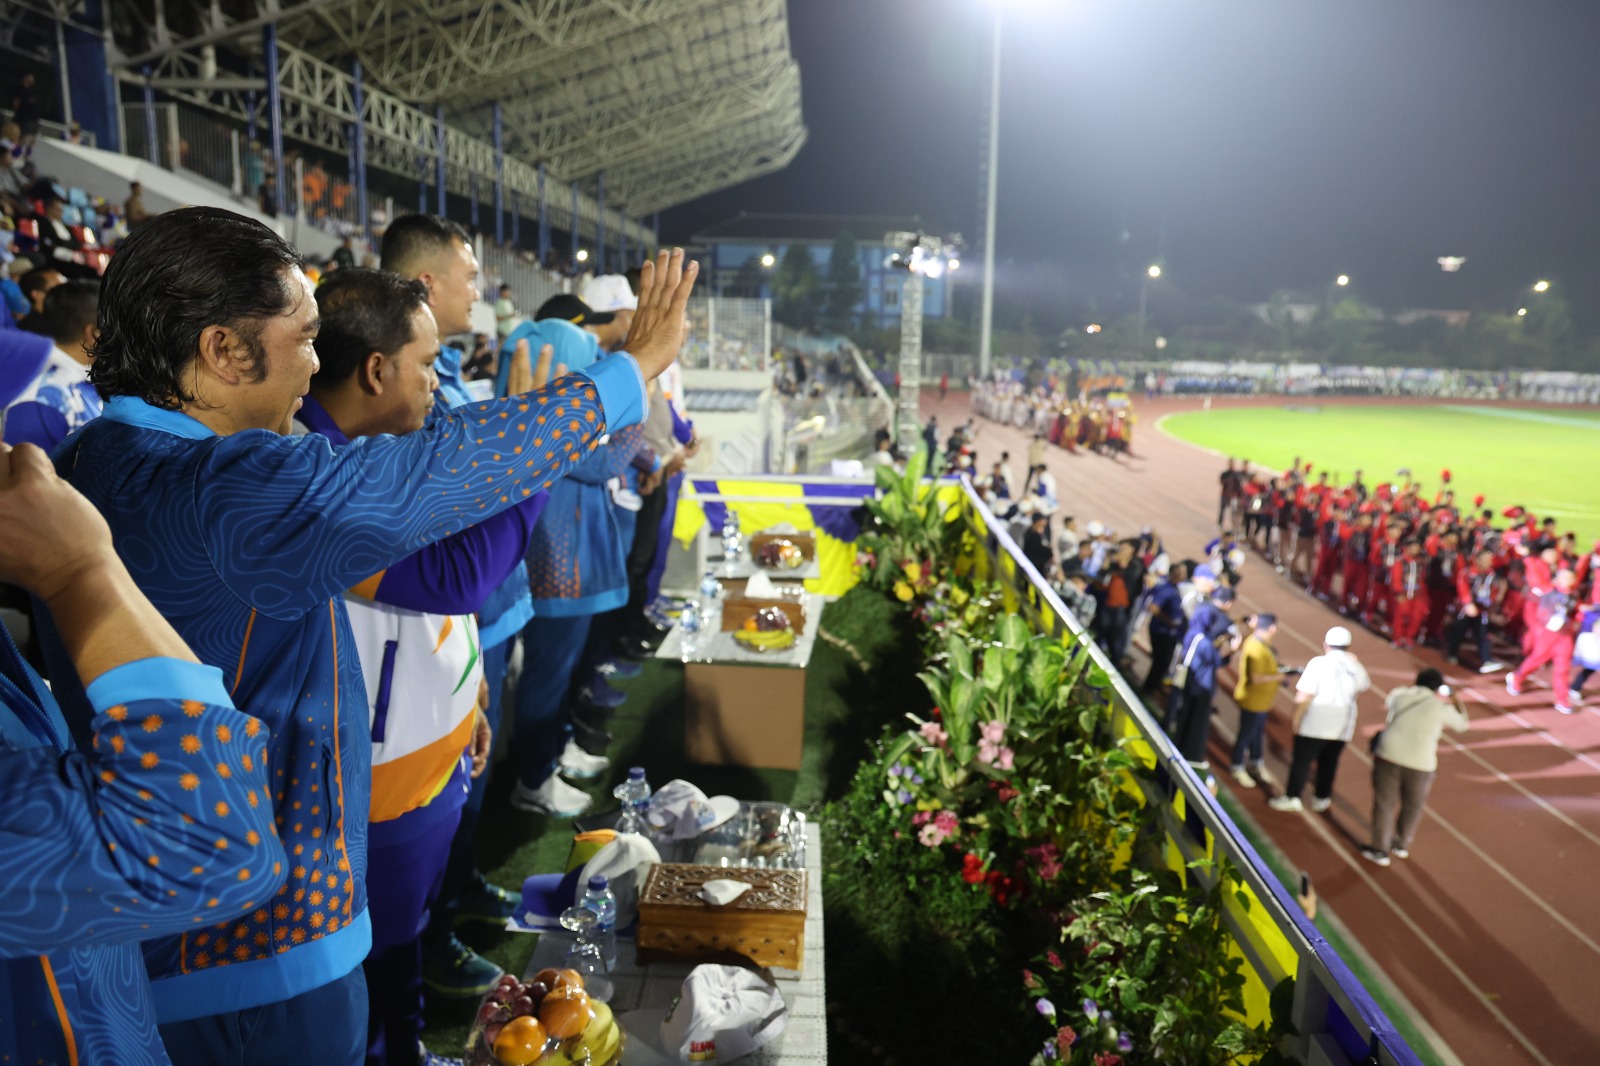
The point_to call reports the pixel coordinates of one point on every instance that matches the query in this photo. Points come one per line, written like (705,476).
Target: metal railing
(531,284)
(728,333)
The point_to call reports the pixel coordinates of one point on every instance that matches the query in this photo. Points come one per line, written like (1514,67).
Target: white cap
(608,292)
(1338,637)
(624,862)
(1095,529)
(722,1013)
(680,810)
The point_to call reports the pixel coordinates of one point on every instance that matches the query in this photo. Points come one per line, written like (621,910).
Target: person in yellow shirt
(1259,677)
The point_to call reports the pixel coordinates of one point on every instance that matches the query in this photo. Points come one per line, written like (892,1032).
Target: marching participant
(1552,640)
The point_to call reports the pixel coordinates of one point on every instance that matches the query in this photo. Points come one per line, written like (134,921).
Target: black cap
(571,309)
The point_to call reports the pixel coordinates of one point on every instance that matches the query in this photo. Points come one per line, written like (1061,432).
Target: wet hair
(175,276)
(412,240)
(69,308)
(363,311)
(1429,678)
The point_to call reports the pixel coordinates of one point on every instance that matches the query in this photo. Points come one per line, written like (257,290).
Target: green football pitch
(1547,460)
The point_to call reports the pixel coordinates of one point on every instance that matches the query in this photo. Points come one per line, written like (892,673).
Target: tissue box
(765,926)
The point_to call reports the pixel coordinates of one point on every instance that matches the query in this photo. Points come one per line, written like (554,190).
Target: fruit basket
(782,552)
(767,629)
(549,1021)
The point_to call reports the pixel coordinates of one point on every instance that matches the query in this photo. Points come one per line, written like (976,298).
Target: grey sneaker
(1288,804)
(1374,856)
(1321,803)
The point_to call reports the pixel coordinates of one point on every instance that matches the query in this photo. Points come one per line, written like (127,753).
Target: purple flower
(896,770)
(1124,1042)
(916,779)
(903,796)
(1091,1008)
(1045,1007)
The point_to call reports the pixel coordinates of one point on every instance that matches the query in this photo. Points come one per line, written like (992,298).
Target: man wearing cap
(1194,683)
(1257,688)
(612,302)
(1324,720)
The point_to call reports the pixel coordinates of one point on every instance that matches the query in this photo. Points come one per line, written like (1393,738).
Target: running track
(1491,929)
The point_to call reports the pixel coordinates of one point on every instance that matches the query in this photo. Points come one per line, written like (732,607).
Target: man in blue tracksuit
(246,538)
(158,826)
(1167,625)
(1201,656)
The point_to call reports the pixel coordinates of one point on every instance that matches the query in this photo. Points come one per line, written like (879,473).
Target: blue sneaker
(622,669)
(600,694)
(483,902)
(453,969)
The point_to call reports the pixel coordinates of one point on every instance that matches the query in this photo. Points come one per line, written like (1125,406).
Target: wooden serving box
(765,926)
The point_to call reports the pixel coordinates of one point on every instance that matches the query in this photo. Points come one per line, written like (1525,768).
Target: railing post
(438,119)
(600,224)
(359,169)
(499,175)
(150,150)
(269,40)
(237,185)
(544,219)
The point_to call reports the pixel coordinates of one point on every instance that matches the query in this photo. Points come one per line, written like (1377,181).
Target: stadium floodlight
(1154,271)
(1093,327)
(1522,312)
(1450,264)
(768,259)
(1342,280)
(953,265)
(1541,286)
(582,256)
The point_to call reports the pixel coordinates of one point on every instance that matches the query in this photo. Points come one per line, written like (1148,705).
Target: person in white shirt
(1405,760)
(1067,539)
(1324,720)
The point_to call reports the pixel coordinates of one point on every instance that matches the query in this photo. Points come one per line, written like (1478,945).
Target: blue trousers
(463,861)
(403,879)
(551,649)
(658,565)
(1248,744)
(326,1025)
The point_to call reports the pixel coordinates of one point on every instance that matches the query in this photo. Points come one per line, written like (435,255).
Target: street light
(1151,274)
(1522,312)
(1541,286)
(582,256)
(1342,280)
(986,314)
(768,259)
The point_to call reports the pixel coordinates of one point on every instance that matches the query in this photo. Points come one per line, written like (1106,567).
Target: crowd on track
(1417,569)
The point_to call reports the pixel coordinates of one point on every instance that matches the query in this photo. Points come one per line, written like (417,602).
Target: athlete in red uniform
(1357,566)
(1552,641)
(1407,586)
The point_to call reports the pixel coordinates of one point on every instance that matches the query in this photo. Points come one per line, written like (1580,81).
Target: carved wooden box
(765,926)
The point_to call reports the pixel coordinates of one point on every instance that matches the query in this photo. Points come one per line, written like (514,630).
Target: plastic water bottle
(634,794)
(600,899)
(732,541)
(710,588)
(690,623)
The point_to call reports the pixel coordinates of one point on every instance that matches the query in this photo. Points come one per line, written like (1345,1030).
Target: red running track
(1491,929)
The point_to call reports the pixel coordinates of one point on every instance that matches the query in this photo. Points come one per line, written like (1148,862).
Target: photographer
(1405,759)
(1257,688)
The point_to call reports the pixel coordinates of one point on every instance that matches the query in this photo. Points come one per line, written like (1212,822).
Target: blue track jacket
(159,826)
(246,543)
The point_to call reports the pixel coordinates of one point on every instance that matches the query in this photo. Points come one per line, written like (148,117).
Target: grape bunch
(550,1019)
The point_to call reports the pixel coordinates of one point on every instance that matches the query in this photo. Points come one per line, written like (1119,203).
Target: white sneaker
(579,765)
(555,797)
(1288,804)
(1400,853)
(1243,779)
(1574,698)
(1512,686)
(1492,666)
(1320,804)
(1260,773)
(1373,855)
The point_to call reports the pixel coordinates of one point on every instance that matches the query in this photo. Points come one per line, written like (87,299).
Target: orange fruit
(521,1042)
(546,976)
(566,979)
(565,1012)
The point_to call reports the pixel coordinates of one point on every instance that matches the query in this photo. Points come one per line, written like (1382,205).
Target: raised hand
(661,323)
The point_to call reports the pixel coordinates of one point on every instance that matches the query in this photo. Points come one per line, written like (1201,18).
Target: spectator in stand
(34,285)
(1074,592)
(344,256)
(11,201)
(59,246)
(170,778)
(1324,720)
(1036,544)
(1167,623)
(267,196)
(14,306)
(505,313)
(1207,645)
(134,213)
(1257,688)
(1120,584)
(59,398)
(24,104)
(1067,540)
(1405,760)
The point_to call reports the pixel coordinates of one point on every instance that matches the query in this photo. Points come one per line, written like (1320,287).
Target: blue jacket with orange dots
(161,825)
(246,543)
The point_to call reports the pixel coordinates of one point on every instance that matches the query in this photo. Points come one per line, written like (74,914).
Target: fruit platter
(769,629)
(779,554)
(551,1021)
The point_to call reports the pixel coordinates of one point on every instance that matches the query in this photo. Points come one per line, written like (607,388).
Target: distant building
(731,254)
(1458,319)
(1299,313)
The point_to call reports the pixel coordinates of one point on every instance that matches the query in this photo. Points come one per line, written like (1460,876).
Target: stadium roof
(671,99)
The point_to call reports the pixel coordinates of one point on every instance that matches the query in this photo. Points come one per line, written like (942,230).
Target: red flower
(1008,794)
(1065,1038)
(1107,1058)
(1053,959)
(1028,980)
(972,869)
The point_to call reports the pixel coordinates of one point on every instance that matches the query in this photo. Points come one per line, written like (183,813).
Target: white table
(805,1040)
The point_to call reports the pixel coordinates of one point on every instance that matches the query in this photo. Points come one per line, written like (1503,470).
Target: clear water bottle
(732,540)
(691,623)
(599,898)
(710,589)
(634,795)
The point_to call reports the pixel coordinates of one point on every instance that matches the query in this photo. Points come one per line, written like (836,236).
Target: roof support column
(499,176)
(544,219)
(438,127)
(600,225)
(575,225)
(622,240)
(269,47)
(358,148)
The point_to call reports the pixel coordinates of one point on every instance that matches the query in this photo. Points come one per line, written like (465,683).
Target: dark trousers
(462,865)
(1162,648)
(614,625)
(1464,627)
(1308,750)
(403,880)
(1394,787)
(1112,622)
(1249,744)
(325,1025)
(1189,722)
(669,515)
(551,648)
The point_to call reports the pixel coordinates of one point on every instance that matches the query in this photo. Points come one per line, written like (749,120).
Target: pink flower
(1006,759)
(932,836)
(1053,959)
(922,817)
(993,731)
(1106,1058)
(1028,980)
(1065,1038)
(934,734)
(946,821)
(988,752)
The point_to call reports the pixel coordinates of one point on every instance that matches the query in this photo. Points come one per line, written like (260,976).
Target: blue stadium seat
(77,198)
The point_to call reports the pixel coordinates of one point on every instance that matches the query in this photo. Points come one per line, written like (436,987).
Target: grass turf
(649,733)
(1539,459)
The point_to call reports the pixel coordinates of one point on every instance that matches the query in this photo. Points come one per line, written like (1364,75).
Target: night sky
(1249,145)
